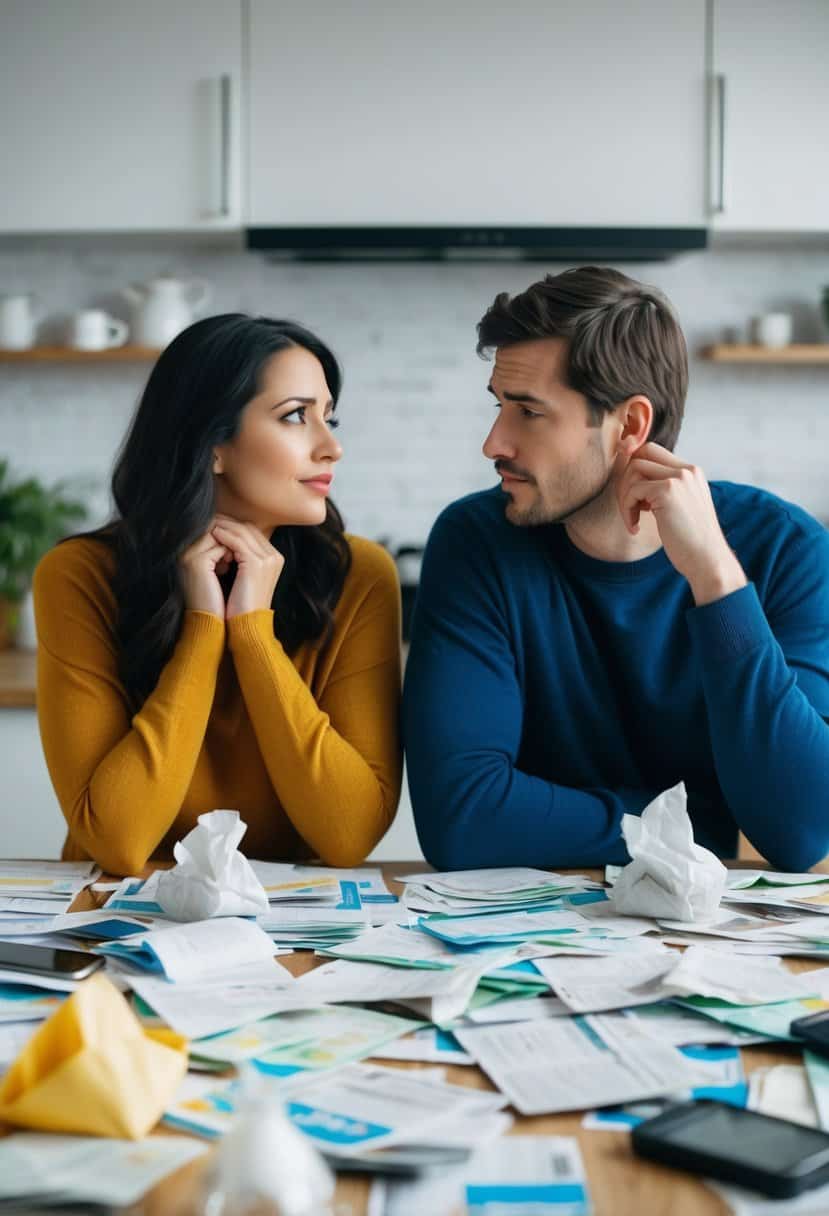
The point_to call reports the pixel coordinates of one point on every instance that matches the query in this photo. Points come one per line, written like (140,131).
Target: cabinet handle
(718,125)
(224,143)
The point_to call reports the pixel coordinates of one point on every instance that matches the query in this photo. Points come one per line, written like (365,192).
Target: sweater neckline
(571,556)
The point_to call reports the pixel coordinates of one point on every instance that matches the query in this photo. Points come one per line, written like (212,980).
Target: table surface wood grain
(619,1183)
(17,678)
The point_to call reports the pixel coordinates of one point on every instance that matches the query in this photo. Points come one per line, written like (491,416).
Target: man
(606,623)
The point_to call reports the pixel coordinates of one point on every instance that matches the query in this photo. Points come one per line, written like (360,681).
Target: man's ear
(636,417)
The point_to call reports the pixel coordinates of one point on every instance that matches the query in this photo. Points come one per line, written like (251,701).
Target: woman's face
(279,467)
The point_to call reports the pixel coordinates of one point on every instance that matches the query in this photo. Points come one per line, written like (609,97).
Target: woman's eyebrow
(301,400)
(330,403)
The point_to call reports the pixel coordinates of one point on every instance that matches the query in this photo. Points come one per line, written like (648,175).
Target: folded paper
(669,876)
(212,878)
(93,1069)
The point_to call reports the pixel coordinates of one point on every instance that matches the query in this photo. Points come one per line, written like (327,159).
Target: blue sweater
(547,692)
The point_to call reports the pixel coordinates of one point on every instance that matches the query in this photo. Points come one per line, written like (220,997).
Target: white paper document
(569,1064)
(783,1091)
(88,1169)
(223,1002)
(46,878)
(511,1176)
(588,985)
(519,1009)
(741,981)
(449,991)
(428,1045)
(13,1038)
(189,952)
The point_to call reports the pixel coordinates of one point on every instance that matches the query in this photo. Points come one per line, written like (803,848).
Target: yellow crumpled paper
(93,1069)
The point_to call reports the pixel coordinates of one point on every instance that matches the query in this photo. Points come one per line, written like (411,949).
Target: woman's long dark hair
(163,490)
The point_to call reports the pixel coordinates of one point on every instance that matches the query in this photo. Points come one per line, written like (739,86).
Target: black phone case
(813,1031)
(650,1140)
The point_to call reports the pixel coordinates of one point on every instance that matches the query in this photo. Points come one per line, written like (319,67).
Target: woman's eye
(295,416)
(333,422)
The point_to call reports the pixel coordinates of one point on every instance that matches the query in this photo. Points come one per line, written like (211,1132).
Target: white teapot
(163,307)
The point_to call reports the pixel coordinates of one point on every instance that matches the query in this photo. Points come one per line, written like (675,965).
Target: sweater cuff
(729,627)
(251,628)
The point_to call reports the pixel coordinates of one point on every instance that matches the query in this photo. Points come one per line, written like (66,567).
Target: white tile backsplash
(414,409)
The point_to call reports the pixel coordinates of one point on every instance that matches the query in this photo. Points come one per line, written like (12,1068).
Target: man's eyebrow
(528,397)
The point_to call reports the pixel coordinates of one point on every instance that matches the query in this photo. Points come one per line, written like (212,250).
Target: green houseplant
(32,518)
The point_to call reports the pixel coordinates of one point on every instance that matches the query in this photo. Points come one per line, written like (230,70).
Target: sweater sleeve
(462,720)
(120,781)
(335,764)
(766,683)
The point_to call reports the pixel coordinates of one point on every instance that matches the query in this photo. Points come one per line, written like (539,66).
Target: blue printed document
(357,1108)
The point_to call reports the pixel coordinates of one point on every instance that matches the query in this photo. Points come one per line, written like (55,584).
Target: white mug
(773,329)
(94,329)
(17,322)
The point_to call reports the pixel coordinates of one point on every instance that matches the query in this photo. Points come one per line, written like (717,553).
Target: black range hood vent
(478,244)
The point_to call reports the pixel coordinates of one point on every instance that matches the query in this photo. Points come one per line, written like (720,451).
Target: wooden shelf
(17,679)
(66,354)
(817,352)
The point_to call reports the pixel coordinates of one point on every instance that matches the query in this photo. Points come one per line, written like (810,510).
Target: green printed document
(310,1039)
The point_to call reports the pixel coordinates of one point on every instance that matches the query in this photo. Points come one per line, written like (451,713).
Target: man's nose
(498,443)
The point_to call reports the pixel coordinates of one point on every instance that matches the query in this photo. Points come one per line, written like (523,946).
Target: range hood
(486,243)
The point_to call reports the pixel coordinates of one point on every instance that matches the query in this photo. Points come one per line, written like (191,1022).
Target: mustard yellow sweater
(306,748)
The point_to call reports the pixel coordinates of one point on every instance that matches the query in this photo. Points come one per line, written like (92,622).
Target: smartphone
(43,960)
(774,1156)
(814,1031)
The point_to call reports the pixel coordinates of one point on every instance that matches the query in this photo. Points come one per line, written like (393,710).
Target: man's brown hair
(623,338)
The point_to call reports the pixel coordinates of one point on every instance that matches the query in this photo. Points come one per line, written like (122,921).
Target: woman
(223,643)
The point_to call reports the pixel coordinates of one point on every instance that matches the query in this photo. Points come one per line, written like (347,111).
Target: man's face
(551,458)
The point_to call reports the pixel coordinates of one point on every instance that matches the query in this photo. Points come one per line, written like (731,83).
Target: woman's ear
(218,463)
(636,416)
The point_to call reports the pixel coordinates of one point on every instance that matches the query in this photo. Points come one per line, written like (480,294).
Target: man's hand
(258,565)
(679,497)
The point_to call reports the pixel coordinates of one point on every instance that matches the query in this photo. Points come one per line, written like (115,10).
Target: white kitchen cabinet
(770,111)
(120,115)
(534,113)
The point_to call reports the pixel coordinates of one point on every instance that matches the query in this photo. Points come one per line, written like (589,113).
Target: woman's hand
(199,580)
(258,565)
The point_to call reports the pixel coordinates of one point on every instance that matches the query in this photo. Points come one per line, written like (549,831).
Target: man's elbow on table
(797,854)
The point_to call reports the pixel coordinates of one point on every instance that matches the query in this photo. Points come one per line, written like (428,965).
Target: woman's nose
(327,446)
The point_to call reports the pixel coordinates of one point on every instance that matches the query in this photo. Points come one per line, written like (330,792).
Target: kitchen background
(414,409)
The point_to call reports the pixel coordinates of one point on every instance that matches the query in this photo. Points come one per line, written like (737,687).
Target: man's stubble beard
(539,514)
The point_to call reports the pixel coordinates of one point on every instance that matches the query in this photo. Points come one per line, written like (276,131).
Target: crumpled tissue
(212,878)
(93,1069)
(265,1163)
(670,877)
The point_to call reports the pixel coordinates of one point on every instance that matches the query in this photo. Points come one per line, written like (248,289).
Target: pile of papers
(563,1002)
(39,890)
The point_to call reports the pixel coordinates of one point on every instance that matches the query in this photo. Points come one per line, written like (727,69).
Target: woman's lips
(320,485)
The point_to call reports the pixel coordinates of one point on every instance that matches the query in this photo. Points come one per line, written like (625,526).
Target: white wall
(414,410)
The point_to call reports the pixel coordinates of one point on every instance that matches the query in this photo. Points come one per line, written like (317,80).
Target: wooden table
(619,1183)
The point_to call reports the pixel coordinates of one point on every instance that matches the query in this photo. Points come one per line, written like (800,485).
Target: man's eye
(525,413)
